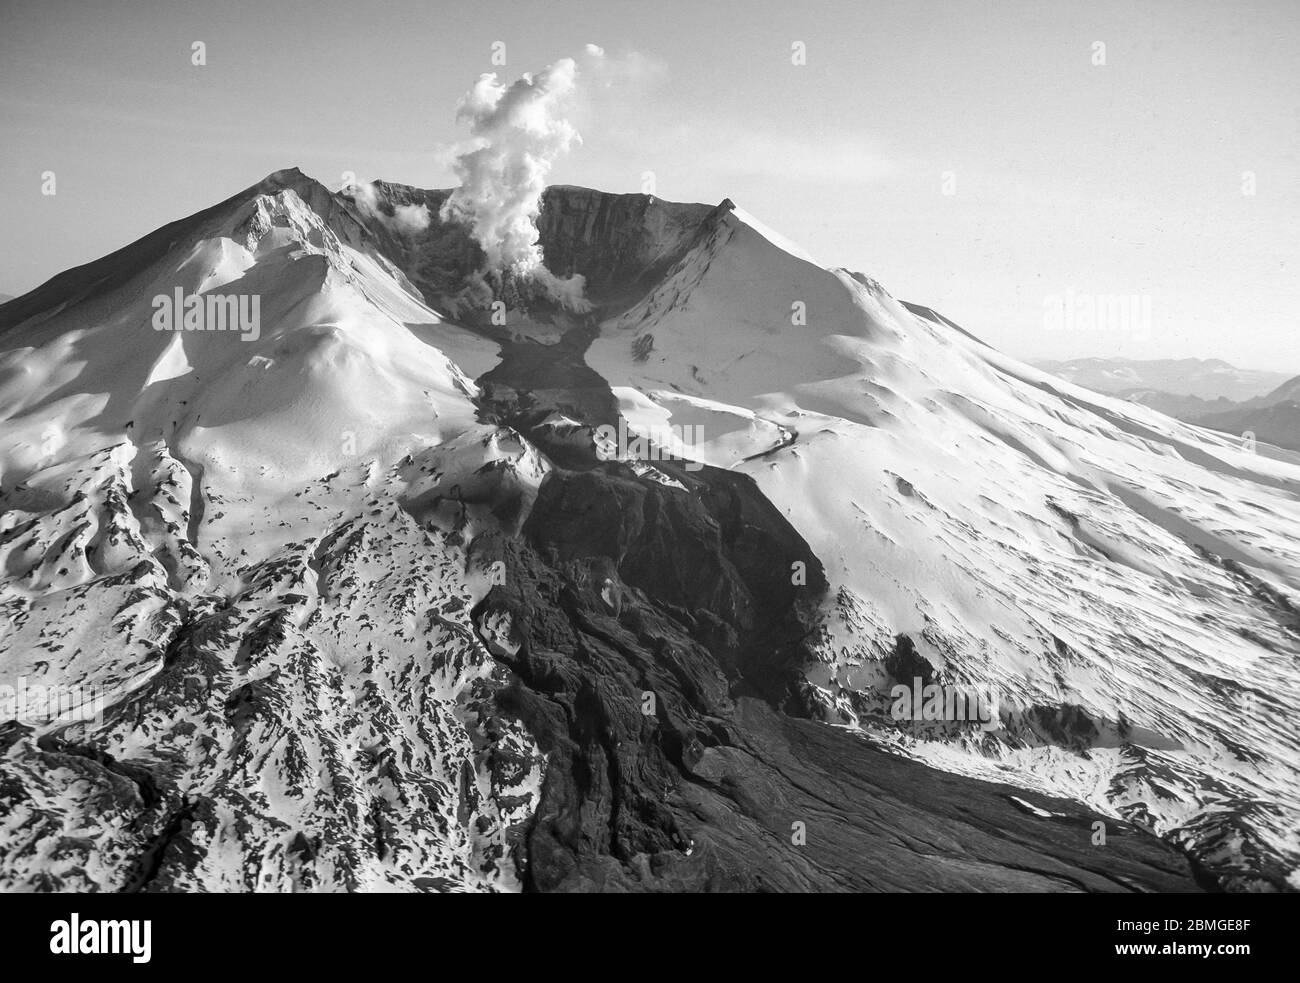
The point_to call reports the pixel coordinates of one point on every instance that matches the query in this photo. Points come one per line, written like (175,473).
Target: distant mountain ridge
(1248,403)
(1204,378)
(1273,419)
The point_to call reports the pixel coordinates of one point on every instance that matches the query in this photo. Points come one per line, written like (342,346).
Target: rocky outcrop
(656,640)
(621,244)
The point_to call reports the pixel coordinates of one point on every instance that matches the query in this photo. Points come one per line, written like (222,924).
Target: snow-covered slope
(1123,583)
(365,610)
(212,537)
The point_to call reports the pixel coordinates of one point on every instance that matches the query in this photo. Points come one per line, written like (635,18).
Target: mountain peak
(416,565)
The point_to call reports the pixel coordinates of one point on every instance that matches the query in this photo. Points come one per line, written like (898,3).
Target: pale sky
(1124,178)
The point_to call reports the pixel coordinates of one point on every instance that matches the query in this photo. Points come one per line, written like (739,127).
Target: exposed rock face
(438,258)
(621,244)
(657,641)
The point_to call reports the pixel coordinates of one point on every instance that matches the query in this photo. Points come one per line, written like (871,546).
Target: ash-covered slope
(360,621)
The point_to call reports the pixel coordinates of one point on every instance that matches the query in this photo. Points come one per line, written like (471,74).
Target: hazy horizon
(978,159)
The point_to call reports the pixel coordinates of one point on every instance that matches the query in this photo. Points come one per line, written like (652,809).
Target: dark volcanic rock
(621,244)
(656,641)
(535,380)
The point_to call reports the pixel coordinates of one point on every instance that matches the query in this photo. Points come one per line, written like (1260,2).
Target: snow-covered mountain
(372,603)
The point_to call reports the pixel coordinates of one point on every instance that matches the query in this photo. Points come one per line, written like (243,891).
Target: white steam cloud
(410,219)
(517,132)
(406,219)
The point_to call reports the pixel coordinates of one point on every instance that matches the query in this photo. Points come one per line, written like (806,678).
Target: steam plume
(517,133)
(406,219)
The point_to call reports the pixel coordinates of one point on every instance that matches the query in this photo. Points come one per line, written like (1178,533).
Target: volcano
(359,601)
